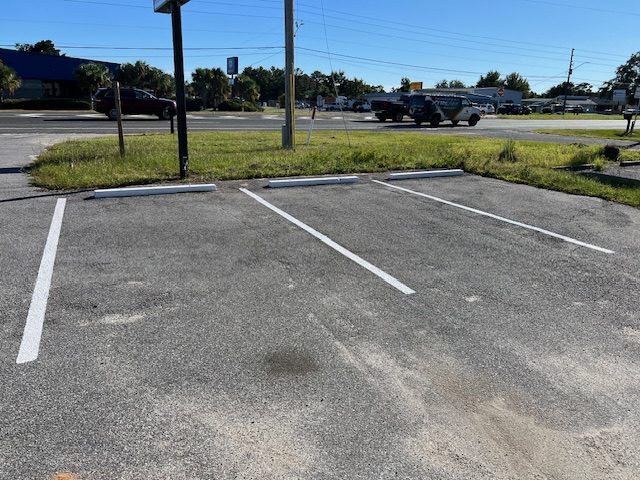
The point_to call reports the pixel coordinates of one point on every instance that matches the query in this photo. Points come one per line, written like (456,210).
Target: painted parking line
(502,219)
(30,345)
(327,241)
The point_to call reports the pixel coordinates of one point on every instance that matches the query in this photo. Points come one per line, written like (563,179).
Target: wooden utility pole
(116,91)
(288,133)
(566,87)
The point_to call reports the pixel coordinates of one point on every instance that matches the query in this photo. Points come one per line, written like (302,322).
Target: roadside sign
(164,6)
(232,65)
(619,95)
(500,92)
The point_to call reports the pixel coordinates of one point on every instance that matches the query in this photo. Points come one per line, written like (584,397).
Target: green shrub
(235,105)
(193,105)
(611,152)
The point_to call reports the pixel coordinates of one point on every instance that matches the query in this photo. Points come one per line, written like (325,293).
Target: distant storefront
(46,76)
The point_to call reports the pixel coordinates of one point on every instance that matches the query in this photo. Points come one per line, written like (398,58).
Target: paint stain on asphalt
(290,362)
(66,476)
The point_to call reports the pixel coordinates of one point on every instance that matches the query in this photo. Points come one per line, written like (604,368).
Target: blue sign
(232,66)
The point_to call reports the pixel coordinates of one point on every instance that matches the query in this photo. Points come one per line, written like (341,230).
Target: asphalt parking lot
(457,327)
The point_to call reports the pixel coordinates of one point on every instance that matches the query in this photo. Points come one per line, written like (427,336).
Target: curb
(430,173)
(297,182)
(164,190)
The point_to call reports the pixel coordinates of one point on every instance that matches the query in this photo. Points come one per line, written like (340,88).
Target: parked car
(133,102)
(553,108)
(300,104)
(486,109)
(574,109)
(513,109)
(361,106)
(334,106)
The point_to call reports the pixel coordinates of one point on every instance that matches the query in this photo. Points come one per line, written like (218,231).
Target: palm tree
(201,84)
(220,86)
(90,76)
(8,80)
(160,83)
(212,83)
(248,88)
(133,74)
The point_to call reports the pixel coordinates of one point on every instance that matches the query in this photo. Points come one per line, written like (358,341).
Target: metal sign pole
(183,153)
(173,7)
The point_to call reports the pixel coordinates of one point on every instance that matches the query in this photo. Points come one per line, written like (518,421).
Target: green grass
(95,163)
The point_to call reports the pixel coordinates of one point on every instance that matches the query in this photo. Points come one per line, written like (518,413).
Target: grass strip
(153,159)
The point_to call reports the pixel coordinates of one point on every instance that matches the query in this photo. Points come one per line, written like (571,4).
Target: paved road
(206,335)
(93,123)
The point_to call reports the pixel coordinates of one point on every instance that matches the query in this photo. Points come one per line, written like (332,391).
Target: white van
(486,109)
(437,108)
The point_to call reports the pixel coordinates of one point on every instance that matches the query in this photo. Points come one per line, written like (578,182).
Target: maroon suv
(133,102)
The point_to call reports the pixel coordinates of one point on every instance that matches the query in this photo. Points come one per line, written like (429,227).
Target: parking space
(352,331)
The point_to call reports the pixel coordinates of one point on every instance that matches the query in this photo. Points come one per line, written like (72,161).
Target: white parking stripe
(323,238)
(502,219)
(35,318)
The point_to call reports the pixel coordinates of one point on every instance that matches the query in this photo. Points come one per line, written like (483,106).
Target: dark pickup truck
(395,110)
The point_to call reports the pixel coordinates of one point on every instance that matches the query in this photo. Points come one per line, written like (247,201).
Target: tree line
(212,86)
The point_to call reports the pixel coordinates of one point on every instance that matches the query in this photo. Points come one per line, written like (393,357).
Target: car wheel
(112,114)
(166,114)
(398,117)
(473,120)
(435,121)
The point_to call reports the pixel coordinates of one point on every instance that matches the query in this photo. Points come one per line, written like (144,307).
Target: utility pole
(288,132)
(566,87)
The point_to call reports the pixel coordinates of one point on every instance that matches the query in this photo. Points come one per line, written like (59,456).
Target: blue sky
(378,41)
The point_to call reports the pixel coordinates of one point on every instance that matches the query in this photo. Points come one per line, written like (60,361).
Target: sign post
(232,69)
(619,95)
(173,7)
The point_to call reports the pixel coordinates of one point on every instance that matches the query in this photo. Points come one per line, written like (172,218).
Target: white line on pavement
(35,318)
(502,219)
(323,238)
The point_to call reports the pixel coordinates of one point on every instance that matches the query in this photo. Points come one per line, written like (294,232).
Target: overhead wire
(413,33)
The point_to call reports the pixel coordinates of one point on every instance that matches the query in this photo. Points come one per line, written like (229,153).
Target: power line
(582,7)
